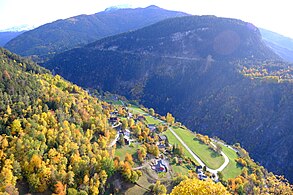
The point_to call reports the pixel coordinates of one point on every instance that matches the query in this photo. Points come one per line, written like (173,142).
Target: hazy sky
(275,15)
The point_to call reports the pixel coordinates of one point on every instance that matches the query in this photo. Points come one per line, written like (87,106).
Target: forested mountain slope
(52,133)
(215,74)
(62,35)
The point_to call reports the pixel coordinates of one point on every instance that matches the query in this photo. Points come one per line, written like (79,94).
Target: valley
(146,101)
(59,139)
(235,96)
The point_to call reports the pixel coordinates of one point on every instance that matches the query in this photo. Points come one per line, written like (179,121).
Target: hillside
(46,140)
(56,138)
(66,34)
(7,36)
(282,45)
(214,74)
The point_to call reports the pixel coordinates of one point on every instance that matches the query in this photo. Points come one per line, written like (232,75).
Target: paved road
(187,148)
(154,55)
(222,167)
(214,171)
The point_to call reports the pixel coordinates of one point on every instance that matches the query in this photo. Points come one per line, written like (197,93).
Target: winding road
(213,171)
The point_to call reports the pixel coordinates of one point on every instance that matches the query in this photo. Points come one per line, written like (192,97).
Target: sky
(274,15)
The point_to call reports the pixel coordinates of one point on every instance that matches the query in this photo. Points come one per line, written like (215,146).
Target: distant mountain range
(6,36)
(282,45)
(63,35)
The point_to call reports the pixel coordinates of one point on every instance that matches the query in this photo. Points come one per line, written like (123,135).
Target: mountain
(5,37)
(216,75)
(280,44)
(55,138)
(63,35)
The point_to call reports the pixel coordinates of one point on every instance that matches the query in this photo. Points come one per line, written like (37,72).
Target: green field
(173,140)
(114,102)
(232,170)
(149,119)
(209,157)
(121,152)
(136,110)
(179,169)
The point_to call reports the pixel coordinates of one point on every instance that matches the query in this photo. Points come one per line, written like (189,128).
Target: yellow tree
(95,184)
(15,127)
(130,122)
(170,119)
(35,162)
(6,175)
(198,187)
(158,188)
(128,158)
(8,110)
(152,111)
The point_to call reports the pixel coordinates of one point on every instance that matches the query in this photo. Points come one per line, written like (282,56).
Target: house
(117,126)
(126,132)
(200,173)
(113,119)
(199,168)
(129,115)
(160,166)
(115,112)
(152,127)
(162,138)
(161,145)
(202,176)
(126,136)
(140,118)
(127,140)
(163,141)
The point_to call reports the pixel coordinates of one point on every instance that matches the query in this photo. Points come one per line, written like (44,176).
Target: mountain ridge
(62,35)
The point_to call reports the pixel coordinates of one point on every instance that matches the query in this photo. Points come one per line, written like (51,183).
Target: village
(159,164)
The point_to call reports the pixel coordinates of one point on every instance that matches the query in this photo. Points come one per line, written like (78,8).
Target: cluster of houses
(116,124)
(158,165)
(115,119)
(200,173)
